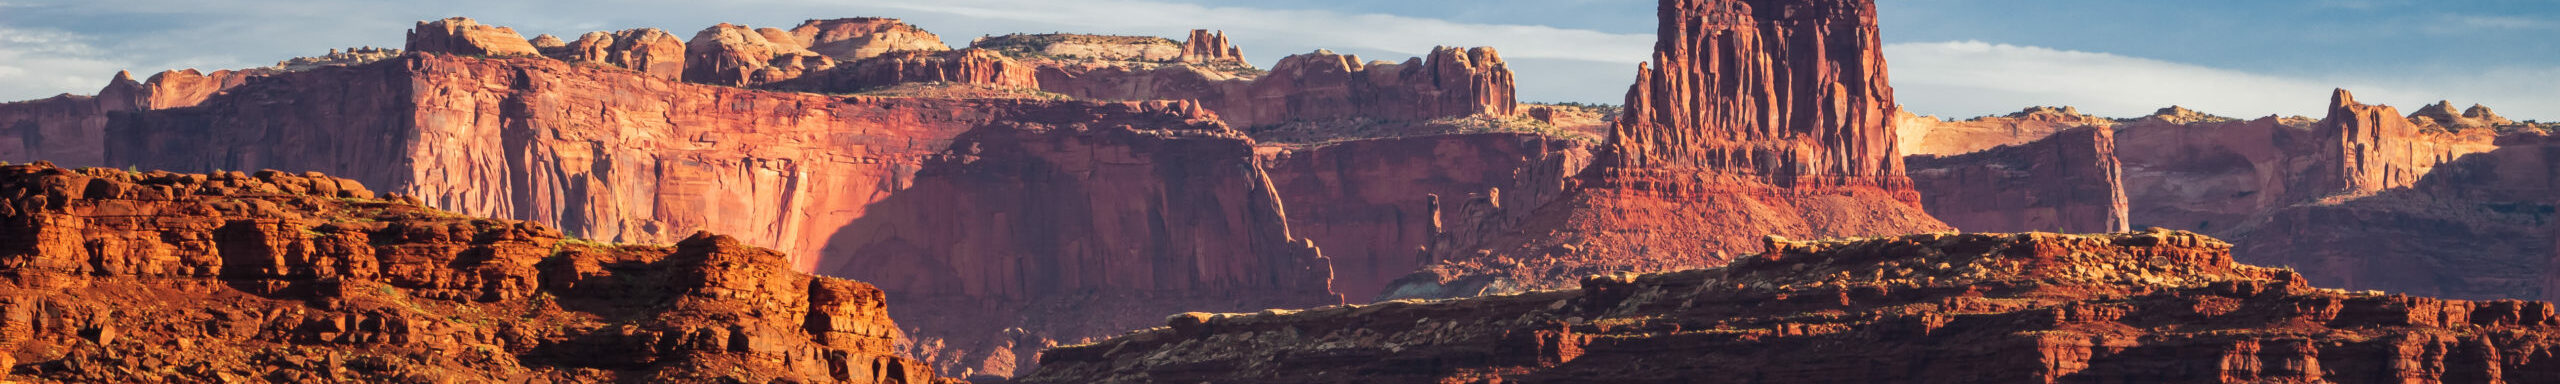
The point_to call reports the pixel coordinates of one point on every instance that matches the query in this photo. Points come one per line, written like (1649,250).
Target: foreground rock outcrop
(118,276)
(2133,307)
(2069,182)
(1795,137)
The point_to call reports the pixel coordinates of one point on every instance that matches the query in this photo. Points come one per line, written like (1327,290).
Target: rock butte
(1794,141)
(134,277)
(1980,308)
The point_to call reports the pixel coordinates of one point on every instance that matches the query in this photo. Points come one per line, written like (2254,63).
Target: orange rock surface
(1972,308)
(647,50)
(143,277)
(463,36)
(856,39)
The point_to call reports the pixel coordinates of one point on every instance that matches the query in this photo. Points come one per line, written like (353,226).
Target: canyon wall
(624,156)
(2068,182)
(125,277)
(1755,118)
(1972,308)
(1373,204)
(71,129)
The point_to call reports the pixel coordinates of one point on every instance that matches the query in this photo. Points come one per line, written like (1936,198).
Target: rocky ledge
(116,276)
(2134,307)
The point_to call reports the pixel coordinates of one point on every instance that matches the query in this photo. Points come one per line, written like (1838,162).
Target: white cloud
(1971,78)
(42,63)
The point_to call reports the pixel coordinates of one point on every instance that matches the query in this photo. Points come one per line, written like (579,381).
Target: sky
(1951,58)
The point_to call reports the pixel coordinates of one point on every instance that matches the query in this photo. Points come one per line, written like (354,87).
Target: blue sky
(1954,58)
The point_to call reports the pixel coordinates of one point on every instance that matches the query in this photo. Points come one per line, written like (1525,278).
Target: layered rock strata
(1756,117)
(1372,204)
(736,55)
(2068,182)
(2135,307)
(862,187)
(142,277)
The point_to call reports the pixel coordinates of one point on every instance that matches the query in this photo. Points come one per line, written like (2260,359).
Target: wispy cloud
(40,63)
(1970,78)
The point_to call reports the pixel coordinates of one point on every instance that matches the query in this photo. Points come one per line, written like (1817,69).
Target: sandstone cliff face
(1926,135)
(2136,307)
(857,39)
(1020,238)
(1785,92)
(647,50)
(71,129)
(862,186)
(1794,138)
(2069,182)
(463,36)
(1373,204)
(134,277)
(2477,227)
(2369,148)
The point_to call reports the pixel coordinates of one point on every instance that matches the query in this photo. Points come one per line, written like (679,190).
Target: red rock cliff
(1972,308)
(1757,117)
(623,156)
(71,129)
(1785,92)
(2370,148)
(2068,182)
(1369,203)
(123,277)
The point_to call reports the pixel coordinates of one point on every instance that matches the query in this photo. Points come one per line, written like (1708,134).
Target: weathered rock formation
(868,187)
(1085,49)
(2369,148)
(1205,47)
(647,50)
(1451,82)
(857,39)
(2477,227)
(968,66)
(1371,203)
(462,36)
(2136,307)
(140,277)
(2068,182)
(735,55)
(1756,117)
